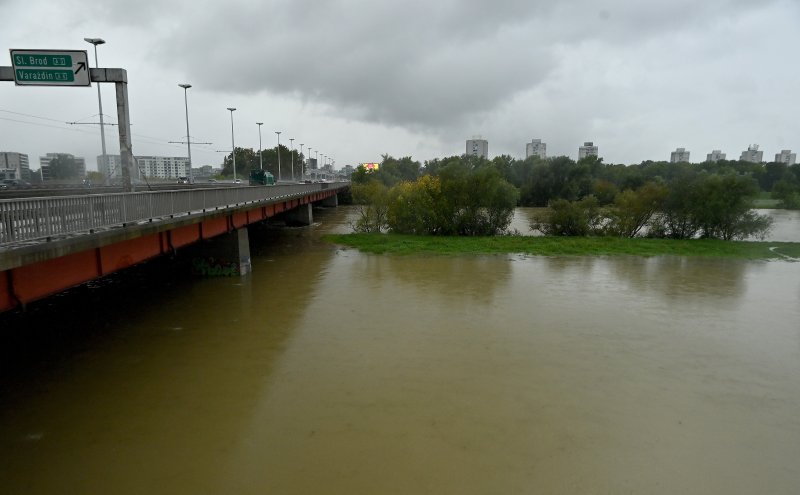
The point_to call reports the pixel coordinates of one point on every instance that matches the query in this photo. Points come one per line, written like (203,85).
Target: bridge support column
(301,215)
(332,201)
(227,255)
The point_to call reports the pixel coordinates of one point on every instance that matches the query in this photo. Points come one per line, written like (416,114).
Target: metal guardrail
(38,218)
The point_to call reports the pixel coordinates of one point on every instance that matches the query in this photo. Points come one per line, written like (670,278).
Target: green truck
(260,177)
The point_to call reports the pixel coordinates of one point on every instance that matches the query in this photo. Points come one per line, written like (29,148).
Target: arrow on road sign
(81,65)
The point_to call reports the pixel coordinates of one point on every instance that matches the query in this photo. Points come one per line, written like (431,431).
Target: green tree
(633,210)
(416,207)
(570,218)
(64,167)
(477,200)
(372,204)
(788,192)
(246,159)
(723,211)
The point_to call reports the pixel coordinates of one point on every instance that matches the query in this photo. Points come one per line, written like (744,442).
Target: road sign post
(50,67)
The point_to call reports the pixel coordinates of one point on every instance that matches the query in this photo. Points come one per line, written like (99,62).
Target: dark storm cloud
(414,63)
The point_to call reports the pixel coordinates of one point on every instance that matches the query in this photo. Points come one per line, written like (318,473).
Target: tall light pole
(95,42)
(233,145)
(308,161)
(260,158)
(279,154)
(291,150)
(188,138)
(301,161)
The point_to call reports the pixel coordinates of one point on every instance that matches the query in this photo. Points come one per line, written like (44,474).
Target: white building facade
(478,147)
(14,166)
(680,155)
(588,149)
(786,156)
(715,156)
(162,167)
(536,148)
(752,154)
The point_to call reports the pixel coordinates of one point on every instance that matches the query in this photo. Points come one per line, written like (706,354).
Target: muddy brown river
(331,371)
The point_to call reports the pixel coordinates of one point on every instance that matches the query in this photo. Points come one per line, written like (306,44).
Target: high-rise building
(786,156)
(14,166)
(162,167)
(679,155)
(110,166)
(536,147)
(478,147)
(715,156)
(588,149)
(44,163)
(752,154)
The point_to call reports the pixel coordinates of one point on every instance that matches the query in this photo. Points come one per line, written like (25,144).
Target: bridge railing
(37,218)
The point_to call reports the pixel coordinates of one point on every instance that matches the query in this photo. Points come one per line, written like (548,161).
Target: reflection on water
(331,371)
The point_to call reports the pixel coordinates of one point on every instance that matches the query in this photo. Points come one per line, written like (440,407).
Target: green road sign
(50,67)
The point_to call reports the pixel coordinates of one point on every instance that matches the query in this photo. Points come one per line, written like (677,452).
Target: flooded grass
(566,246)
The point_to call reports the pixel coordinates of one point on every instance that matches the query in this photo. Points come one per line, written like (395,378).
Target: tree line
(247,159)
(471,195)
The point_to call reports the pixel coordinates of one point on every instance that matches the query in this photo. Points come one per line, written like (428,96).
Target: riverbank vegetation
(471,196)
(541,181)
(463,198)
(566,246)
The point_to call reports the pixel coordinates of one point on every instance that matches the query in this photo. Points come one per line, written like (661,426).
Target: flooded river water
(331,371)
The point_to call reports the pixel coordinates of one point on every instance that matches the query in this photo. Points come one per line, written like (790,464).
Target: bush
(464,199)
(372,204)
(570,218)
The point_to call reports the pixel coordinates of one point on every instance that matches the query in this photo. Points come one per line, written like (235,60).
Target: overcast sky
(359,78)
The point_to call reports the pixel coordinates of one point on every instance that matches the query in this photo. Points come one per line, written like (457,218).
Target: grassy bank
(565,246)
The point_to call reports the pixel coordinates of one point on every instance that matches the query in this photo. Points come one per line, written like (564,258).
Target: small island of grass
(566,246)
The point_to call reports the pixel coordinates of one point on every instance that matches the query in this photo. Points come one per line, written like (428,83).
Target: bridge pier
(302,215)
(331,201)
(226,255)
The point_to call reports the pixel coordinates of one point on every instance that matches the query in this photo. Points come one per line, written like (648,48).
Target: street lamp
(95,42)
(188,139)
(279,154)
(291,150)
(308,161)
(301,161)
(260,158)
(233,146)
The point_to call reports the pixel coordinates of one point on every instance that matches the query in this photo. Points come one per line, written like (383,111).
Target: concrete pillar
(227,255)
(332,201)
(302,215)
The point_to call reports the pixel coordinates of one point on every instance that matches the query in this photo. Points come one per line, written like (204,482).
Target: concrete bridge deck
(48,244)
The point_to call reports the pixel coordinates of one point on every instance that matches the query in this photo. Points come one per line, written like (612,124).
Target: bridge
(48,244)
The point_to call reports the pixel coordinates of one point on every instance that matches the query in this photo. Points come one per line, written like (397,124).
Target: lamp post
(291,151)
(301,161)
(188,139)
(260,158)
(279,154)
(233,145)
(95,42)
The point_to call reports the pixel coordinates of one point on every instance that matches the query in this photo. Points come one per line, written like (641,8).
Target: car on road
(183,180)
(17,184)
(212,180)
(237,181)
